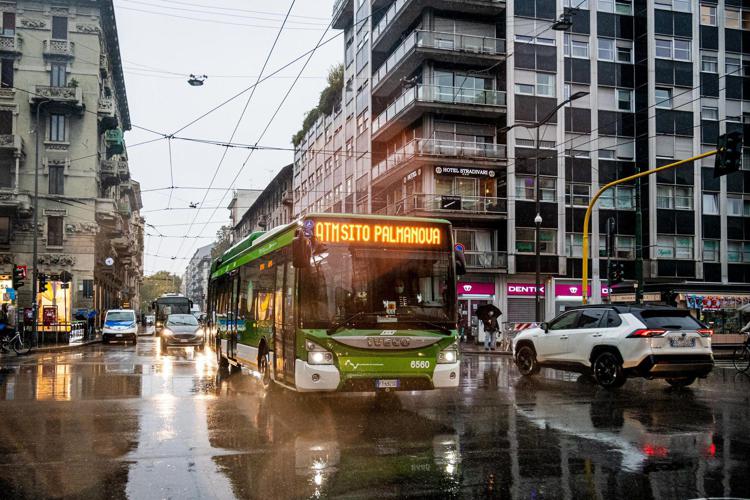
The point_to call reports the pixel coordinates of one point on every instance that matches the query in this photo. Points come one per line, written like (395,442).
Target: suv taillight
(646,333)
(705,332)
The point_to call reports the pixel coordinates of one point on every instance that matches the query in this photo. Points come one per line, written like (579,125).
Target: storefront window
(55,305)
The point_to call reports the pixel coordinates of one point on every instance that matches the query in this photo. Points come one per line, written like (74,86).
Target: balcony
(123,170)
(12,142)
(58,48)
(15,202)
(106,215)
(106,106)
(67,96)
(10,45)
(451,206)
(466,102)
(123,208)
(427,150)
(343,14)
(108,172)
(398,18)
(446,47)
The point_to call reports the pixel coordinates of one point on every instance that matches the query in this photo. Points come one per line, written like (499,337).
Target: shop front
(567,294)
(55,307)
(522,302)
(471,295)
(6,287)
(723,313)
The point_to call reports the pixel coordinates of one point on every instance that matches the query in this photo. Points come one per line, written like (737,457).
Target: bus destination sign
(386,234)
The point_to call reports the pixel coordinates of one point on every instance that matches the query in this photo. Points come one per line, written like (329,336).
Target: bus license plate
(386,384)
(682,342)
(118,335)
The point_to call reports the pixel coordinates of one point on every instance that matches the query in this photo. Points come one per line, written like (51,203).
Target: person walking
(491,329)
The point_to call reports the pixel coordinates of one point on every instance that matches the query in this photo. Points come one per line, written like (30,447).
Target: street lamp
(537,298)
(538,218)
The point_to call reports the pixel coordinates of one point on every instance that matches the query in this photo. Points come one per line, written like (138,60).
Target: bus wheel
(264,367)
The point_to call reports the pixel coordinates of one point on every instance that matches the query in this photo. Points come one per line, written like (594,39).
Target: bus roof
(259,243)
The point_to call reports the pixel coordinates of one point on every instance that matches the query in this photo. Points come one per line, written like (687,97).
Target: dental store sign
(561,290)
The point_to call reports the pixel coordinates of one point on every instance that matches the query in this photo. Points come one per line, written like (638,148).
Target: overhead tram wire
(242,115)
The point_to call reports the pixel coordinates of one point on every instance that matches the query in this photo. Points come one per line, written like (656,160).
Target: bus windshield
(378,287)
(165,307)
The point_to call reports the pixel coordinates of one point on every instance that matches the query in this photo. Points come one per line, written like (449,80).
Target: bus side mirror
(460,262)
(153,305)
(301,252)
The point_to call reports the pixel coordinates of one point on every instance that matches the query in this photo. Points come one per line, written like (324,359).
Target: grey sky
(162,42)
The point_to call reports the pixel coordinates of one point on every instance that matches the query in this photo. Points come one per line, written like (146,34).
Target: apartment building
(271,208)
(62,84)
(423,129)
(196,276)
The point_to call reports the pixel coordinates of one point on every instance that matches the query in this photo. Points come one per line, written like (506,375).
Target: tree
(223,242)
(156,285)
(330,99)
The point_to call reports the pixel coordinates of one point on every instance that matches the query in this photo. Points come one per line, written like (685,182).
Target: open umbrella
(488,311)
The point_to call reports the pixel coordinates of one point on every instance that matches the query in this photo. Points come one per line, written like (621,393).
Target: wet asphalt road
(127,421)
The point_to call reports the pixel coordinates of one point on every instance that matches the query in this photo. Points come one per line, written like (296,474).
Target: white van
(120,325)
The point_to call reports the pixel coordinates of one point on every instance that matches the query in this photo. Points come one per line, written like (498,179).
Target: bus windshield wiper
(429,323)
(338,324)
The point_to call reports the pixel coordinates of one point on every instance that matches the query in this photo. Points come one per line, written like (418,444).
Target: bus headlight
(316,355)
(448,355)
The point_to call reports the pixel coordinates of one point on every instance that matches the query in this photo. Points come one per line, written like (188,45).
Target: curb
(44,350)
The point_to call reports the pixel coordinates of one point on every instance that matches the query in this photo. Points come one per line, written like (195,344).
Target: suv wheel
(681,381)
(607,370)
(526,361)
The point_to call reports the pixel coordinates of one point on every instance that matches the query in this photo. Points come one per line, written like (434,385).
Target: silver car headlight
(317,355)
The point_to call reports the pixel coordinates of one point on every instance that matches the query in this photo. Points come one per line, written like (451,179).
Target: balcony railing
(486,260)
(10,44)
(439,147)
(442,94)
(395,9)
(68,95)
(58,48)
(106,106)
(446,205)
(443,41)
(11,141)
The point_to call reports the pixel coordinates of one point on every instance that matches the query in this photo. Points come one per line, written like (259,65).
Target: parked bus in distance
(338,302)
(169,303)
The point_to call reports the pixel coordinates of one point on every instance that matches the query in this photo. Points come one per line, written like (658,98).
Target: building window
(574,245)
(711,203)
(362,122)
(577,195)
(624,247)
(678,5)
(711,250)
(524,88)
(4,230)
(57,128)
(732,19)
(58,75)
(738,251)
(682,50)
(664,48)
(88,289)
(349,148)
(59,28)
(576,48)
(56,179)
(709,113)
(737,207)
(6,73)
(663,98)
(525,240)
(545,85)
(674,247)
(709,64)
(6,174)
(54,231)
(9,24)
(525,188)
(625,54)
(606,49)
(618,198)
(624,99)
(708,15)
(674,197)
(732,66)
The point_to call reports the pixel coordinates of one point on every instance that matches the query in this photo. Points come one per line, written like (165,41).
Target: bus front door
(285,324)
(232,333)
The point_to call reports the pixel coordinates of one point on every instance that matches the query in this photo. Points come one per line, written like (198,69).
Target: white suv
(613,343)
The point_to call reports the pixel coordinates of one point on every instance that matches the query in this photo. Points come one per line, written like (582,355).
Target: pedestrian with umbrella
(488,314)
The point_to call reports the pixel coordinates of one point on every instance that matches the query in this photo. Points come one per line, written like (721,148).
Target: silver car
(182,330)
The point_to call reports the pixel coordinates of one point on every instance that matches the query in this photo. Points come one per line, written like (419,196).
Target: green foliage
(156,285)
(330,98)
(223,242)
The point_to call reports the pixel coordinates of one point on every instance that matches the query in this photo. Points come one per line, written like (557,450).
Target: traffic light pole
(35,268)
(587,218)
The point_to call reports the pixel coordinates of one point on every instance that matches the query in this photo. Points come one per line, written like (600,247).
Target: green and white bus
(338,302)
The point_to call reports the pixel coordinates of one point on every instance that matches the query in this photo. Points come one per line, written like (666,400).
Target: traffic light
(729,154)
(617,274)
(43,285)
(19,273)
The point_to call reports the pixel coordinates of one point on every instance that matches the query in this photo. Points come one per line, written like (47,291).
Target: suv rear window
(670,320)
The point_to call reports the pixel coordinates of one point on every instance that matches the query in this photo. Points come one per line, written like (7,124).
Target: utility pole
(638,240)
(610,249)
(34,258)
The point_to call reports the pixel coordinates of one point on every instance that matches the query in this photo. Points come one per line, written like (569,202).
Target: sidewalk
(56,348)
(470,347)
